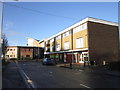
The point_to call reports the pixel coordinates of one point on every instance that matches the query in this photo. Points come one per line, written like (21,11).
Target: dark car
(47,61)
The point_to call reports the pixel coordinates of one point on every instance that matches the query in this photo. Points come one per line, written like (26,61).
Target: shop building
(89,40)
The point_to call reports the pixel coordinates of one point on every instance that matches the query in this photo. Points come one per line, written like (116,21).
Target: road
(57,77)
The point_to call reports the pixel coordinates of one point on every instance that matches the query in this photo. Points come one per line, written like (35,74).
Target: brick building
(24,52)
(91,40)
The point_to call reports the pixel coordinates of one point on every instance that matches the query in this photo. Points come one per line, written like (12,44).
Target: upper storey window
(58,37)
(80,28)
(42,44)
(66,33)
(52,40)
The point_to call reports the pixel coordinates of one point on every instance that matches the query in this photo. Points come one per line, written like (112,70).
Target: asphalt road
(57,77)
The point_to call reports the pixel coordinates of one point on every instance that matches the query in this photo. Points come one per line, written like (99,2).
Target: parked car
(47,61)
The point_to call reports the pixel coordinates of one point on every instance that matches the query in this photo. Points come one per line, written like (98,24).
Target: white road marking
(30,81)
(25,76)
(80,70)
(85,86)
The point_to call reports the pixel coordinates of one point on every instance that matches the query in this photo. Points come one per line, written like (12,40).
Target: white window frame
(58,37)
(58,47)
(42,44)
(52,40)
(51,48)
(66,45)
(80,28)
(67,33)
(46,48)
(79,42)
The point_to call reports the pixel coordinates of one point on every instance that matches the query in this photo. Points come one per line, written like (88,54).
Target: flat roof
(83,21)
(24,46)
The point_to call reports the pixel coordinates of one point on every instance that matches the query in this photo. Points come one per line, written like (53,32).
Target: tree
(4,45)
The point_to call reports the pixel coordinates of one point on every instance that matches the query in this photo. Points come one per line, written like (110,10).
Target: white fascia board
(102,21)
(66,51)
(80,49)
(69,28)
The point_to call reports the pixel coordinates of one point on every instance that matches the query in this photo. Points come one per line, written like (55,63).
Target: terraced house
(91,40)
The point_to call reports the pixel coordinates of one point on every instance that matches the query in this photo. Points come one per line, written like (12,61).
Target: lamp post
(38,53)
(1,24)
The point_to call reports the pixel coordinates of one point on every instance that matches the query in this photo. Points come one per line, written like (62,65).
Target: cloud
(8,25)
(9,29)
(10,33)
(13,42)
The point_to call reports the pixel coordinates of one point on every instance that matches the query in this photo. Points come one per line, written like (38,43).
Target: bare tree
(4,45)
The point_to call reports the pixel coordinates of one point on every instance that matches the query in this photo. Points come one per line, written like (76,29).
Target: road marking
(80,70)
(30,81)
(25,77)
(85,86)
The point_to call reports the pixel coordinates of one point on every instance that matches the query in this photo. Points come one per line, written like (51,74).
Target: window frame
(66,47)
(80,42)
(57,47)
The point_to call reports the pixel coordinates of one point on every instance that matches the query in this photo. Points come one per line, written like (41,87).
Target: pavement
(11,77)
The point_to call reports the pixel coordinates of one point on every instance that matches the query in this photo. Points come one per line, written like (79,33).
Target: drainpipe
(71,48)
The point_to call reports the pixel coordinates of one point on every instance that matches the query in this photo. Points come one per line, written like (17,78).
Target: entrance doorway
(83,57)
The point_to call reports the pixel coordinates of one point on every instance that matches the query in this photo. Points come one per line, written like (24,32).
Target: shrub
(27,58)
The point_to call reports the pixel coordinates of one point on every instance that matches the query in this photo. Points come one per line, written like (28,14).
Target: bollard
(94,63)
